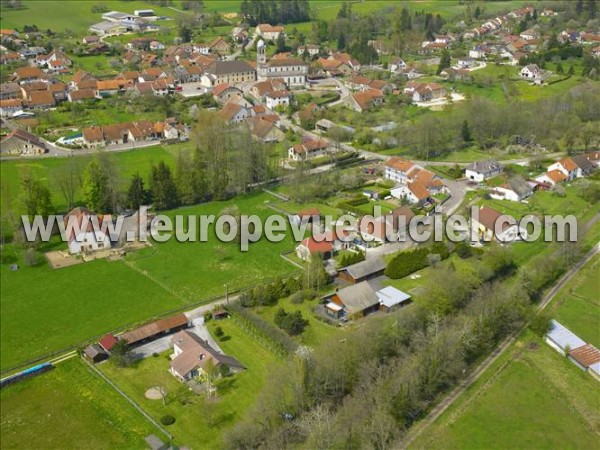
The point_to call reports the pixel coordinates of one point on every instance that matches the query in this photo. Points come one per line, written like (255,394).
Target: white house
(87,231)
(531,71)
(397,169)
(515,190)
(277,98)
(485,222)
(234,112)
(567,166)
(482,170)
(269,32)
(308,150)
(397,64)
(551,177)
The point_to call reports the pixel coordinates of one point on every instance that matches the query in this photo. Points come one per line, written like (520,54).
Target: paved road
(436,412)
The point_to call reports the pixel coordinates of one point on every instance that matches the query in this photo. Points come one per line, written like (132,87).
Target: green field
(70,407)
(45,310)
(200,423)
(577,305)
(78,17)
(530,398)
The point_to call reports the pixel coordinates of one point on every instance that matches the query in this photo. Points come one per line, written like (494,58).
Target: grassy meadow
(40,413)
(532,397)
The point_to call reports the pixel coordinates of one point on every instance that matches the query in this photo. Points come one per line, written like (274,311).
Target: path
(440,408)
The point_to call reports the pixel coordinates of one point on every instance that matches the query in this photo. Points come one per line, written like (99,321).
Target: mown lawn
(537,400)
(200,423)
(70,407)
(577,305)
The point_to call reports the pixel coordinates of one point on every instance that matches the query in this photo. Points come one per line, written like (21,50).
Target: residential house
(390,227)
(191,354)
(87,231)
(263,128)
(345,58)
(424,92)
(567,166)
(413,192)
(397,64)
(552,177)
(310,49)
(10,106)
(310,247)
(40,100)
(531,71)
(379,46)
(224,93)
(334,68)
(269,32)
(516,189)
(234,112)
(262,88)
(308,150)
(9,91)
(362,101)
(20,142)
(397,169)
(490,225)
(82,95)
(28,74)
(275,99)
(482,170)
(220,46)
(94,39)
(584,166)
(353,301)
(365,270)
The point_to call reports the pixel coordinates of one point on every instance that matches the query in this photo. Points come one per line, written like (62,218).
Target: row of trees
(366,390)
(274,12)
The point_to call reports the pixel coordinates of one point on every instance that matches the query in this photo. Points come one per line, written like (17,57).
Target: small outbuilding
(95,353)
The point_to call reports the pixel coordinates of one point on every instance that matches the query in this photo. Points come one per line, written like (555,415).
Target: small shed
(391,298)
(95,353)
(154,443)
(220,314)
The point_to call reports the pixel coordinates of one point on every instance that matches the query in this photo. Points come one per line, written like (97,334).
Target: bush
(219,332)
(208,317)
(292,323)
(167,420)
(347,258)
(463,250)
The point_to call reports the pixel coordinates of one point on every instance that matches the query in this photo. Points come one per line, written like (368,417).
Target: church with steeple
(292,71)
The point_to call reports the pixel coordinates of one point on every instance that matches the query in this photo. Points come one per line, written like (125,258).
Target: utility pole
(226,293)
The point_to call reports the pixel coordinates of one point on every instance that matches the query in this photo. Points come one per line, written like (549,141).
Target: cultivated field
(70,407)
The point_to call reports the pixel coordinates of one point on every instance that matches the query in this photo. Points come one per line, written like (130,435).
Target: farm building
(95,353)
(364,270)
(108,342)
(562,339)
(361,299)
(155,329)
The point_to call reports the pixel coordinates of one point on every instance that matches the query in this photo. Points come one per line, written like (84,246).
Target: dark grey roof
(94,350)
(227,67)
(486,166)
(583,163)
(520,186)
(358,297)
(365,268)
(223,359)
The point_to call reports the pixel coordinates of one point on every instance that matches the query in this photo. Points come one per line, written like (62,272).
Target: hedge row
(276,339)
(405,263)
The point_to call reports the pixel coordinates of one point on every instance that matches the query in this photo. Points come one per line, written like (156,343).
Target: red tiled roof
(400,164)
(317,247)
(107,342)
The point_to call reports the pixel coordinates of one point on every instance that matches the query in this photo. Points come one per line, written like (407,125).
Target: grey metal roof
(358,297)
(563,337)
(390,296)
(583,163)
(365,268)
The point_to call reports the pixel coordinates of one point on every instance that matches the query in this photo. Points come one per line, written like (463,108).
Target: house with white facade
(516,189)
(87,231)
(482,170)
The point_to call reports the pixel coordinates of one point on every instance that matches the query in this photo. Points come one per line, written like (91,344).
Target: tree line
(366,390)
(274,12)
